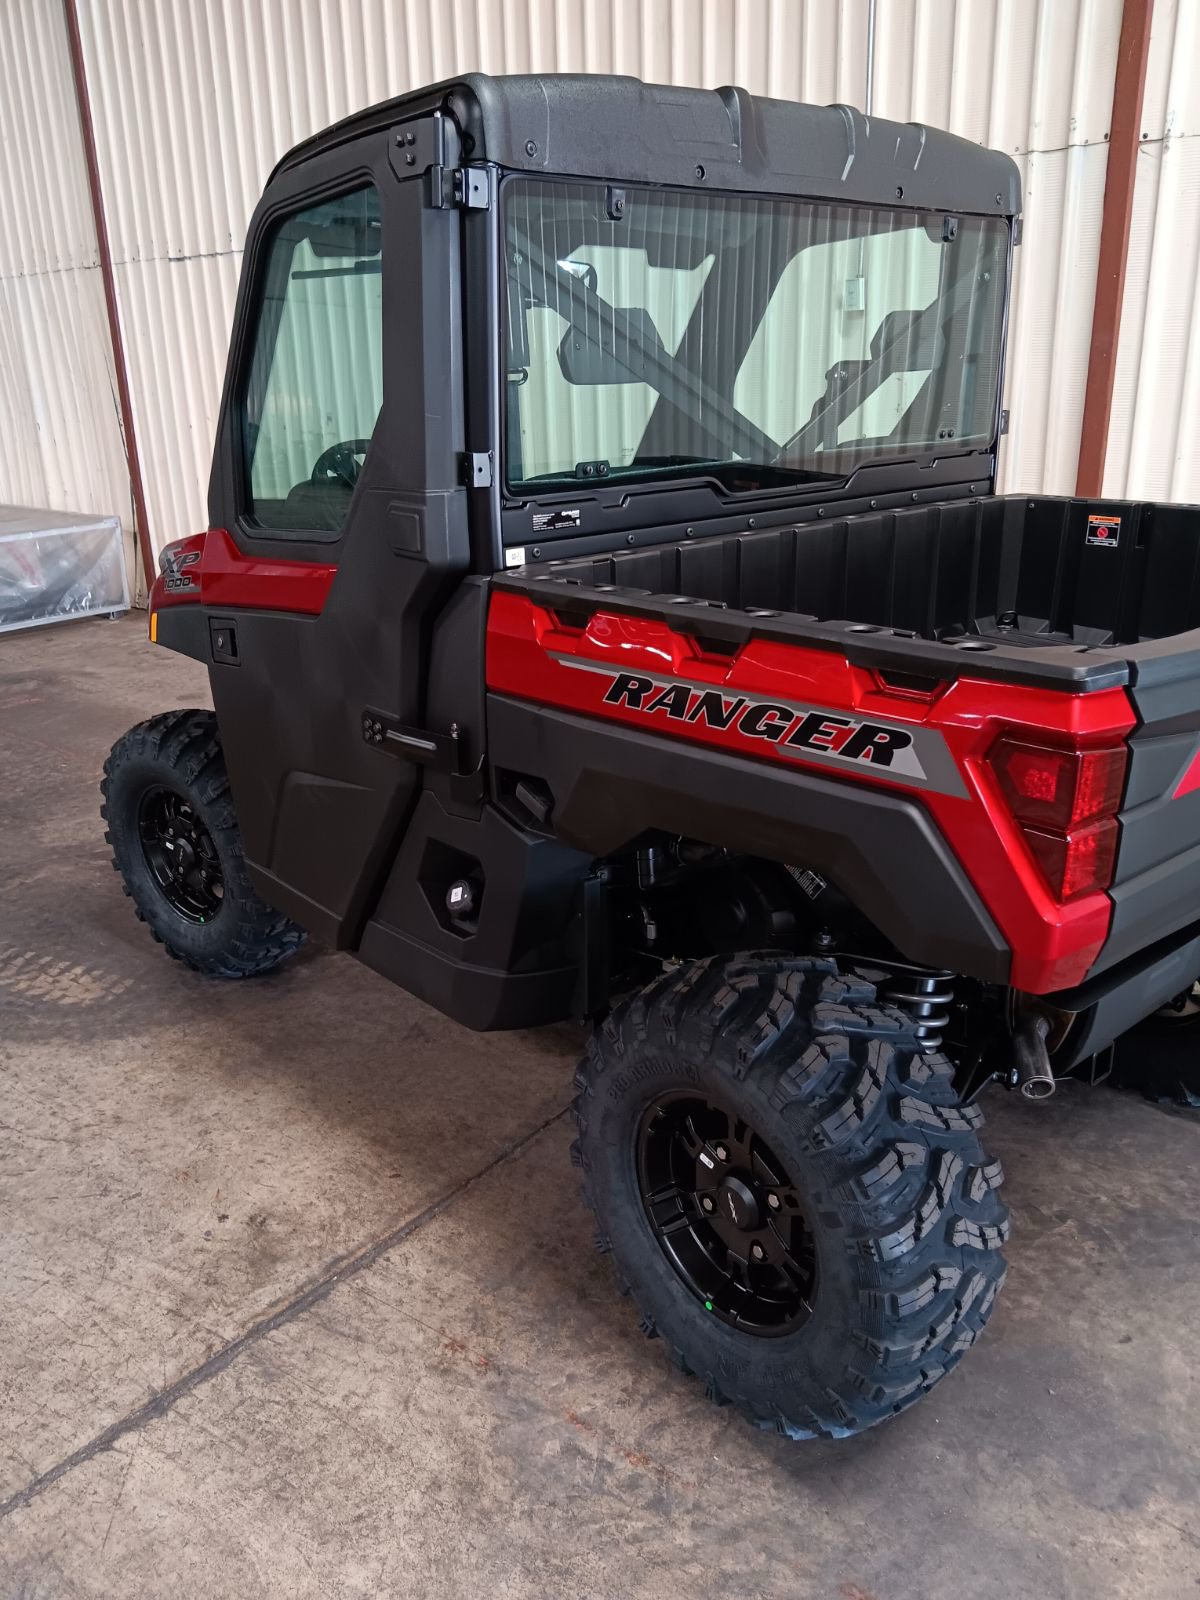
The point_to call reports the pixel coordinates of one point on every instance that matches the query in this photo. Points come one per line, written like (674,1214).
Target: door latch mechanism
(440,752)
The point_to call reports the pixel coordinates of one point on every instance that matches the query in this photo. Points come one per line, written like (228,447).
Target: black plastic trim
(882,850)
(1156,880)
(514,963)
(182,628)
(622,129)
(1162,897)
(662,512)
(482,998)
(1115,1002)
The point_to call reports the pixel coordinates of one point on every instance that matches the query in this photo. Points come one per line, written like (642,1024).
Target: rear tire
(892,1244)
(176,845)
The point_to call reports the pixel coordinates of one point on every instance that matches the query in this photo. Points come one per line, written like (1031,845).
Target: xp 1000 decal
(174,566)
(822,734)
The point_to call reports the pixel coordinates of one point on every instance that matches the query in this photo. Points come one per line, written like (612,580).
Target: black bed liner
(1064,593)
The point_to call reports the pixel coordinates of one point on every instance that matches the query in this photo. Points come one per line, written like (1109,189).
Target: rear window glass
(753,340)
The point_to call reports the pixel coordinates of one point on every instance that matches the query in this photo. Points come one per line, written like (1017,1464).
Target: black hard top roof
(588,125)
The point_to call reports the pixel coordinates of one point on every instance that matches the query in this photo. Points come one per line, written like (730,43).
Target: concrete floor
(297,1298)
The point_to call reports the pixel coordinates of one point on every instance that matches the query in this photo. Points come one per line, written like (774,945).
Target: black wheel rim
(181,855)
(726,1214)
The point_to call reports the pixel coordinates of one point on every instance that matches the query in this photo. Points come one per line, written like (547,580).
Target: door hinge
(477,469)
(473,188)
(416,146)
(1018,230)
(1003,423)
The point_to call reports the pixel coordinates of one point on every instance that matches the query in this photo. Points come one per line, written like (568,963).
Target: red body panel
(529,654)
(1190,779)
(210,568)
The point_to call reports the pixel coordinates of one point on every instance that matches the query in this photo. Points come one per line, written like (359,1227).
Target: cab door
(335,477)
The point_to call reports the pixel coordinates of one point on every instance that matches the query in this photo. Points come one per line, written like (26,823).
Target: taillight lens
(1078,862)
(1066,803)
(1058,789)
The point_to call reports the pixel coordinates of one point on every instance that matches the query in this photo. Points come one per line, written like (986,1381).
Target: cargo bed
(1069,593)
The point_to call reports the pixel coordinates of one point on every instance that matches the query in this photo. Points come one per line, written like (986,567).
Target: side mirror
(610,355)
(347,237)
(583,270)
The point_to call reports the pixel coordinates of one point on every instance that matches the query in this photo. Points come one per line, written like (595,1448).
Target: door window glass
(316,373)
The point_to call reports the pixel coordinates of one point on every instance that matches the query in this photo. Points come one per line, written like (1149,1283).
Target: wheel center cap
(736,1201)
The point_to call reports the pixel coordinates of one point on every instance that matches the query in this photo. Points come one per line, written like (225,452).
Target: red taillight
(1078,862)
(1066,803)
(1056,788)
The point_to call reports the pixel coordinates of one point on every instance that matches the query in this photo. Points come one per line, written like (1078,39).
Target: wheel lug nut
(757,1251)
(721,1153)
(706,1202)
(773,1201)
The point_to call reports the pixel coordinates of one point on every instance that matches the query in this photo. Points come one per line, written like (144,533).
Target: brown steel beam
(1124,136)
(124,401)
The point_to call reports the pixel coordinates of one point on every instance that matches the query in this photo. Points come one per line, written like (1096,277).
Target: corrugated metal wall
(60,437)
(194,100)
(222,89)
(1154,435)
(1033,78)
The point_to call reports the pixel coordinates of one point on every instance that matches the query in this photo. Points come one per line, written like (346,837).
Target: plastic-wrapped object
(58,564)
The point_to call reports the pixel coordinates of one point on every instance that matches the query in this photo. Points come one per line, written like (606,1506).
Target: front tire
(791,1190)
(176,845)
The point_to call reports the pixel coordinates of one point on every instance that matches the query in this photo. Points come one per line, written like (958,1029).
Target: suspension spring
(927,995)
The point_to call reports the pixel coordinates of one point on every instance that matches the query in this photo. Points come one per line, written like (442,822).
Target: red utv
(609,615)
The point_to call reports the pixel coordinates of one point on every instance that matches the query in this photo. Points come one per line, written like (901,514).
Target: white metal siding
(60,438)
(1154,436)
(195,100)
(1033,78)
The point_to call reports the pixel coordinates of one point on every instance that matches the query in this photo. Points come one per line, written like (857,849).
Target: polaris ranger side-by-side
(609,615)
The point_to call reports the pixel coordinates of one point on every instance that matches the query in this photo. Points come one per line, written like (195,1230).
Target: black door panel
(321,812)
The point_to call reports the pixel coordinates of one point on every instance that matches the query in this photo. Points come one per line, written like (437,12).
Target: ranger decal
(740,720)
(786,726)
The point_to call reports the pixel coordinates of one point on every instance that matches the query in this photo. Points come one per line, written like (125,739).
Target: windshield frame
(729,477)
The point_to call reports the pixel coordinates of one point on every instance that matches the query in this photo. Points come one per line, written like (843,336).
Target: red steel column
(1123,140)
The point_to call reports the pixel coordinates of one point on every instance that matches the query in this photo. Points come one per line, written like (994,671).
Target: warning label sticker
(551,521)
(1103,530)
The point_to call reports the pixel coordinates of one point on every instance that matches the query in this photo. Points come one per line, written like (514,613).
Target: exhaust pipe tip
(1031,1071)
(1038,1088)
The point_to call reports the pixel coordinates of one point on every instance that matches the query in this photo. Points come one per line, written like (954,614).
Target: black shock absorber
(926,993)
